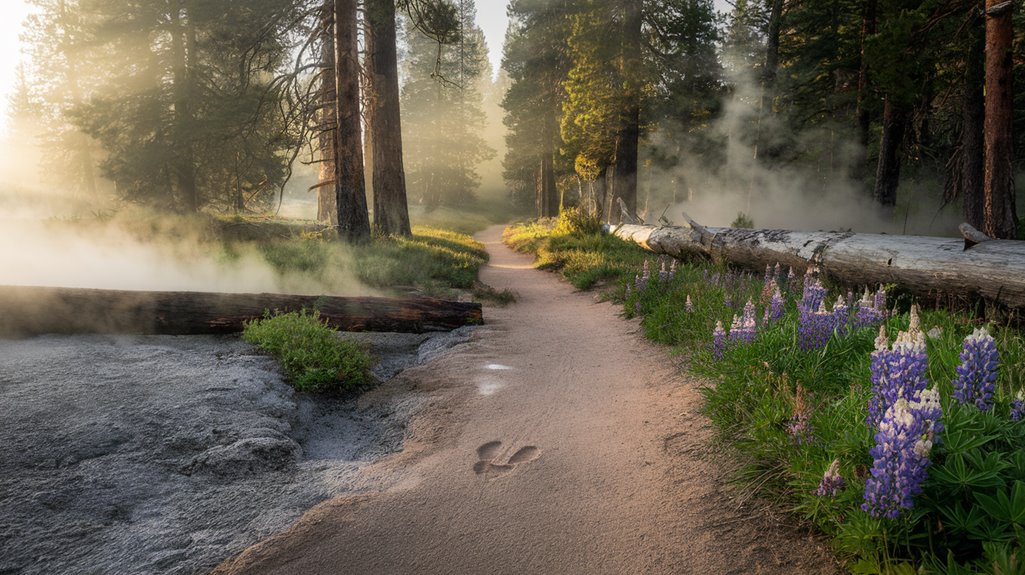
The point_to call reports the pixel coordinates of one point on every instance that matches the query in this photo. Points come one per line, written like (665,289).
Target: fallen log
(26,311)
(974,267)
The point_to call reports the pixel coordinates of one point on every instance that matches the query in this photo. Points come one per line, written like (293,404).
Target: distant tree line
(604,89)
(189,105)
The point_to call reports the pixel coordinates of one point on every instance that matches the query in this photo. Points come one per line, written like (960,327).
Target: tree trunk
(888,168)
(546,200)
(973,114)
(327,211)
(868,28)
(927,266)
(26,311)
(624,183)
(183,48)
(391,212)
(350,189)
(1001,220)
(80,142)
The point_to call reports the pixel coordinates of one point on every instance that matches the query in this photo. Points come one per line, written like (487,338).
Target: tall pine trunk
(391,212)
(998,189)
(327,211)
(973,115)
(624,181)
(183,49)
(888,167)
(350,189)
(864,119)
(82,145)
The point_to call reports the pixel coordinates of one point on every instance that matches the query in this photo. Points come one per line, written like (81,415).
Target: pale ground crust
(557,440)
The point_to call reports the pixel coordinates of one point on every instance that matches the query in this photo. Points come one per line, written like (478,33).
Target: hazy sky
(10,50)
(492,19)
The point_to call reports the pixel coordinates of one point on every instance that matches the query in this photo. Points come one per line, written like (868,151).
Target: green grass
(970,516)
(574,246)
(314,357)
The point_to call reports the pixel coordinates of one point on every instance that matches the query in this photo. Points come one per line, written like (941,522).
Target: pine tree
(180,99)
(536,62)
(442,114)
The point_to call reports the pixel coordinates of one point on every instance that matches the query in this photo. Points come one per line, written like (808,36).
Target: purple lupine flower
(735,328)
(777,274)
(800,430)
(674,267)
(718,340)
(792,282)
(727,299)
(744,329)
(879,300)
(977,375)
(663,273)
(689,305)
(897,373)
(799,427)
(768,288)
(814,327)
(901,454)
(832,482)
(1018,406)
(776,306)
(867,314)
(768,274)
(841,314)
(637,308)
(641,281)
(814,294)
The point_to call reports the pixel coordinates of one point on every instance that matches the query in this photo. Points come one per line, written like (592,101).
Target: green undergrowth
(574,245)
(314,357)
(431,261)
(790,413)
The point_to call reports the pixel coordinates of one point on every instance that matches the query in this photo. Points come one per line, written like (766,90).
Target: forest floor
(557,440)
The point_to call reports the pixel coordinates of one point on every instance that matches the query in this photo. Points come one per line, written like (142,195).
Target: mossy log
(969,268)
(26,311)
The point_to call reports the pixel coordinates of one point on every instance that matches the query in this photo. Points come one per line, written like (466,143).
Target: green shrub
(313,356)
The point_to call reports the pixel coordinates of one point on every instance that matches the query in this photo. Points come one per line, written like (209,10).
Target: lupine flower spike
(841,313)
(901,454)
(689,305)
(880,300)
(1018,406)
(832,482)
(718,340)
(799,427)
(977,375)
(867,313)
(744,327)
(814,327)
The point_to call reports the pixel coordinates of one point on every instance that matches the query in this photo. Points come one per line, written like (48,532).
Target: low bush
(313,356)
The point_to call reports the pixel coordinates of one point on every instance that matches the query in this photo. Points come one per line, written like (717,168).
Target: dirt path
(557,441)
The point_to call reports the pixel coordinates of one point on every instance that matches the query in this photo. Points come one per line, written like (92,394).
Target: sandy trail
(557,441)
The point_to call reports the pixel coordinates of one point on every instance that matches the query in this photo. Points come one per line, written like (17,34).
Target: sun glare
(15,12)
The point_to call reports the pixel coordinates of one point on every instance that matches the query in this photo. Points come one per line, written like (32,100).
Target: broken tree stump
(27,310)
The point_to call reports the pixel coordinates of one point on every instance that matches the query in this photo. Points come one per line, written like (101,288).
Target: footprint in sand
(489,454)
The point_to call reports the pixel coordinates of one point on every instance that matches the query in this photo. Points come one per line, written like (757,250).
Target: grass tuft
(314,357)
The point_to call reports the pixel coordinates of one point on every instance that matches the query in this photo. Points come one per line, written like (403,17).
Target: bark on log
(927,266)
(26,311)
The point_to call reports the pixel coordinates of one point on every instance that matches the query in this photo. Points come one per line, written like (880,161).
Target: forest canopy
(887,108)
